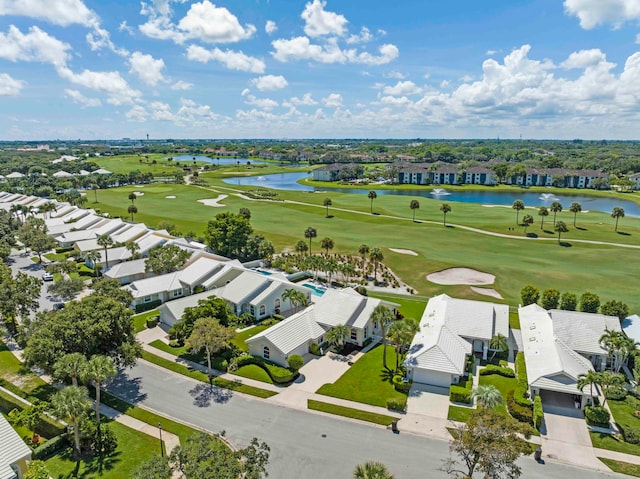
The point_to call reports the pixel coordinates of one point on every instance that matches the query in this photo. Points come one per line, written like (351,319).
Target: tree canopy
(166,259)
(231,235)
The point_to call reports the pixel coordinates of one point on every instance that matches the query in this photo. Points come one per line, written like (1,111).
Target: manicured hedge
(278,374)
(400,385)
(615,393)
(493,369)
(46,426)
(397,404)
(459,394)
(141,308)
(522,414)
(521,393)
(597,416)
(367,342)
(314,349)
(538,412)
(51,447)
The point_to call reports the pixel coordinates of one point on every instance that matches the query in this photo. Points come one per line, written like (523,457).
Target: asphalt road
(23,264)
(303,445)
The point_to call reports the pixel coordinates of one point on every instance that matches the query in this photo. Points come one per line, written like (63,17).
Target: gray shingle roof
(582,331)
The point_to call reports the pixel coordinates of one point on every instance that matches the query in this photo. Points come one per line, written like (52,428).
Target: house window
(354,335)
(177,292)
(262,309)
(366,331)
(375,325)
(277,303)
(147,299)
(265,352)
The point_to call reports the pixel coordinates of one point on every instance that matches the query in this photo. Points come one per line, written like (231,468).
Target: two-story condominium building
(560,177)
(443,174)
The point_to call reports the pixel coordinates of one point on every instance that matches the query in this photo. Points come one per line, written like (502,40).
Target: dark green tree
(568,302)
(165,259)
(555,208)
(310,233)
(372,196)
(414,205)
(550,298)
(617,213)
(589,302)
(529,295)
(518,205)
(615,308)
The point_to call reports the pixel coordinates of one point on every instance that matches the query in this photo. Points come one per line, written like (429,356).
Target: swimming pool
(315,290)
(261,271)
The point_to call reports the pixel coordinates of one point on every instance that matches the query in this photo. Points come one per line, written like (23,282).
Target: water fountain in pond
(548,197)
(261,178)
(439,192)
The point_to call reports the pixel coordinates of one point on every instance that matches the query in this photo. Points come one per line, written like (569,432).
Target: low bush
(518,412)
(499,370)
(295,362)
(400,385)
(367,342)
(278,374)
(51,447)
(503,363)
(471,361)
(153,322)
(538,412)
(362,290)
(615,393)
(459,394)
(597,416)
(397,404)
(631,435)
(141,308)
(45,426)
(270,322)
(315,349)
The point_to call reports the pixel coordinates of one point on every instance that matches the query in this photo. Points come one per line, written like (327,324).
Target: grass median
(200,376)
(350,412)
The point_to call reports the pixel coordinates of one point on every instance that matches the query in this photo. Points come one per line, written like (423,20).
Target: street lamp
(161,445)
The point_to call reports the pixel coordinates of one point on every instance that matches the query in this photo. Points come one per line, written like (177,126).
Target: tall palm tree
(518,205)
(608,379)
(617,213)
(372,196)
(132,247)
(133,197)
(310,233)
(364,251)
(383,316)
(560,228)
(376,256)
(575,208)
(414,205)
(296,298)
(301,247)
(543,212)
(555,208)
(401,333)
(590,379)
(338,335)
(326,244)
(498,343)
(70,404)
(372,470)
(132,210)
(70,365)
(95,189)
(94,258)
(98,370)
(106,242)
(487,396)
(527,221)
(445,208)
(326,203)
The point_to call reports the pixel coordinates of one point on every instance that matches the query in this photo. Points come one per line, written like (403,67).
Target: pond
(225,160)
(288,181)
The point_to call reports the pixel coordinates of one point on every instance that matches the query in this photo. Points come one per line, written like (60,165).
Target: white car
(47,277)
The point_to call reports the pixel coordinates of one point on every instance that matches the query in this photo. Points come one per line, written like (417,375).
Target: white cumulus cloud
(9,86)
(270,82)
(334,100)
(363,37)
(79,98)
(270,27)
(147,68)
(306,100)
(264,103)
(301,48)
(320,22)
(592,13)
(181,85)
(231,59)
(34,46)
(58,12)
(402,88)
(110,83)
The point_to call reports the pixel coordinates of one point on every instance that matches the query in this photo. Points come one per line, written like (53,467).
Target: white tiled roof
(194,273)
(582,331)
(154,285)
(337,307)
(631,327)
(148,241)
(12,449)
(438,348)
(130,234)
(242,287)
(127,268)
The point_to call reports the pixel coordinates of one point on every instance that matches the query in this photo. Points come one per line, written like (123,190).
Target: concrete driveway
(319,371)
(20,263)
(428,401)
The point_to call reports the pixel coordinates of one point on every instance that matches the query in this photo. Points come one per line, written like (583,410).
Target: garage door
(433,378)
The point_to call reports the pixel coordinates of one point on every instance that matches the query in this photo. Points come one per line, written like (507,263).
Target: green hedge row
(521,394)
(277,373)
(522,414)
(50,447)
(499,370)
(141,308)
(400,385)
(538,412)
(597,416)
(46,426)
(461,392)
(397,404)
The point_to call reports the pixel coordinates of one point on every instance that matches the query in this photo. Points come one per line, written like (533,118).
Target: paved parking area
(428,401)
(319,371)
(19,262)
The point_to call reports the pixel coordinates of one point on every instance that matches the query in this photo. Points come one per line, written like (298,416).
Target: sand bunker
(170,197)
(487,292)
(461,276)
(404,251)
(138,193)
(214,201)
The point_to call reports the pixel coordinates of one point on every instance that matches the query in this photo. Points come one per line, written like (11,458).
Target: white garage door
(433,378)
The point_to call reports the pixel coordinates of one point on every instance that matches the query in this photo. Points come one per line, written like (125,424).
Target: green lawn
(184,353)
(253,371)
(140,320)
(623,414)
(409,307)
(134,447)
(12,371)
(503,384)
(366,381)
(350,412)
(458,413)
(200,376)
(240,338)
(622,467)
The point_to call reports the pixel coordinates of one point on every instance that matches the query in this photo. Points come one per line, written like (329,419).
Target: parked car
(58,306)
(47,277)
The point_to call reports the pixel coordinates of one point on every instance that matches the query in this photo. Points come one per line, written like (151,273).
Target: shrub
(397,404)
(362,290)
(314,349)
(153,322)
(278,374)
(367,342)
(503,363)
(538,412)
(270,322)
(597,416)
(460,394)
(141,308)
(295,362)
(492,369)
(518,412)
(471,361)
(400,385)
(616,393)
(51,447)
(45,426)
(631,435)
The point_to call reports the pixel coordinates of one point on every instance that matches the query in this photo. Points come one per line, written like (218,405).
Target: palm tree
(70,404)
(94,258)
(527,221)
(132,210)
(445,208)
(575,208)
(560,228)
(498,343)
(364,251)
(487,396)
(98,370)
(95,189)
(414,205)
(296,298)
(310,233)
(372,196)
(590,379)
(376,256)
(543,212)
(555,208)
(70,365)
(617,213)
(133,248)
(133,197)
(338,335)
(518,205)
(382,316)
(301,247)
(326,203)
(372,470)
(326,244)
(608,379)
(106,242)
(401,333)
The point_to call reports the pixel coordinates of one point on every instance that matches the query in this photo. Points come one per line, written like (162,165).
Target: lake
(225,160)
(288,181)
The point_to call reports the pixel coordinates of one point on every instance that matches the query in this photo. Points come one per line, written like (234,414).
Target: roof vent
(533,326)
(532,339)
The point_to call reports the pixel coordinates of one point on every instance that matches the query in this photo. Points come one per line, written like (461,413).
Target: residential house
(128,271)
(635,180)
(328,172)
(450,330)
(294,335)
(14,453)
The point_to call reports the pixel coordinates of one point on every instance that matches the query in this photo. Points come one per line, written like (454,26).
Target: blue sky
(95,69)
